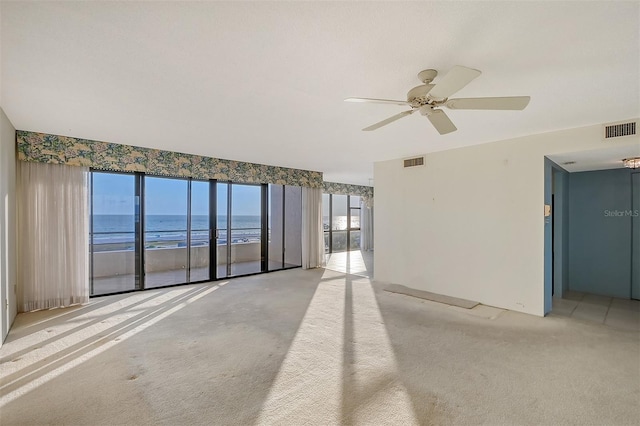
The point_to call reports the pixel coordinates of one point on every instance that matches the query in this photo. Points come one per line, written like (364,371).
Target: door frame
(213,215)
(139,229)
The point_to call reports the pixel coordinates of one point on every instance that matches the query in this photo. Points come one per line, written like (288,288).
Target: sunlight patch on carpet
(50,355)
(308,386)
(340,368)
(380,396)
(348,262)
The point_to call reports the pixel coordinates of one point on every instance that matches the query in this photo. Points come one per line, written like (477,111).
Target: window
(166,252)
(112,232)
(341,222)
(285,213)
(150,231)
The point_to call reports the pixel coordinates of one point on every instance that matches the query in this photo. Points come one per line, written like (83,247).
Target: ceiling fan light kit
(428,98)
(632,163)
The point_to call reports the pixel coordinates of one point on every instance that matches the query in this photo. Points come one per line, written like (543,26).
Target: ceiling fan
(427,98)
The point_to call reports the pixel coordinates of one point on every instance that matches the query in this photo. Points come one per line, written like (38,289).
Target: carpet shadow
(34,371)
(23,332)
(231,343)
(356,396)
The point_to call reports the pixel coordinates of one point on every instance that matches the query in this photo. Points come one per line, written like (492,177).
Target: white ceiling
(596,159)
(264,82)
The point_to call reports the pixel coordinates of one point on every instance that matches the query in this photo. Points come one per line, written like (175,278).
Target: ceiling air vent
(618,130)
(413,162)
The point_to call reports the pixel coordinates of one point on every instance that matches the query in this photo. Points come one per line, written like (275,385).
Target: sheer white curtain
(366,226)
(53,236)
(312,234)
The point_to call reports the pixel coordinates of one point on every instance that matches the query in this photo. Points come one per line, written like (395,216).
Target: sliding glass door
(223,223)
(239,232)
(200,234)
(246,229)
(112,235)
(151,231)
(176,231)
(165,231)
(285,227)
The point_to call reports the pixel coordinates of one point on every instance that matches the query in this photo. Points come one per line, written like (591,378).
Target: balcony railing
(113,252)
(125,241)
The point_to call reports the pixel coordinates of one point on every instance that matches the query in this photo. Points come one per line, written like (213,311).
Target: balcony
(166,260)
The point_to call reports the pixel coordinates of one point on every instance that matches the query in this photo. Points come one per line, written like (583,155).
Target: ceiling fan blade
(505,103)
(441,122)
(455,80)
(389,120)
(377,101)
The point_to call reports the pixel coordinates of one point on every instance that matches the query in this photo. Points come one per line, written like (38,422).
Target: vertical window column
(354,222)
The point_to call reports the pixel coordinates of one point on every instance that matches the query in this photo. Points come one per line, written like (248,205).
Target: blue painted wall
(600,217)
(635,228)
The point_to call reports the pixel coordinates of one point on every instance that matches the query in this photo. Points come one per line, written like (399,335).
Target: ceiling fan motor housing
(418,95)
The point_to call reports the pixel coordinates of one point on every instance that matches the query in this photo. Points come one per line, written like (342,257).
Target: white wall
(470,223)
(7,224)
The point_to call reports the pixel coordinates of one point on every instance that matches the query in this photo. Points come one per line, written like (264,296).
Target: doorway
(592,241)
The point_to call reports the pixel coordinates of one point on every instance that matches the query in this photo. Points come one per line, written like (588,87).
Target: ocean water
(126,223)
(171,230)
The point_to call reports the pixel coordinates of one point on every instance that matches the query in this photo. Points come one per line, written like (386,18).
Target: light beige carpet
(311,347)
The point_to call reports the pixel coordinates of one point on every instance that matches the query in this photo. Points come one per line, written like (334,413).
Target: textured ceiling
(264,82)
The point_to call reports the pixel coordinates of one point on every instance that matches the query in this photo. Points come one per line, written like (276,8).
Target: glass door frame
(139,230)
(213,208)
(143,231)
(348,229)
(140,233)
(138,242)
(210,276)
(213,234)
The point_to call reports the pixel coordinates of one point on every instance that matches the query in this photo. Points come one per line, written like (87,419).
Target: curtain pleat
(366,230)
(53,236)
(312,233)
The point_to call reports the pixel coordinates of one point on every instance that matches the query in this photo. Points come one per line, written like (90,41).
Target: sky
(114,194)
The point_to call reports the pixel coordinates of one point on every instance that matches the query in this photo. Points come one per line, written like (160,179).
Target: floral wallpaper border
(46,148)
(366,192)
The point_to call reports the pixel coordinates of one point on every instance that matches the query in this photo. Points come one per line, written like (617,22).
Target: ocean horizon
(117,232)
(115,223)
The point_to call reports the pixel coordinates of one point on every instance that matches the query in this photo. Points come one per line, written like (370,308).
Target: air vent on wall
(413,162)
(618,130)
